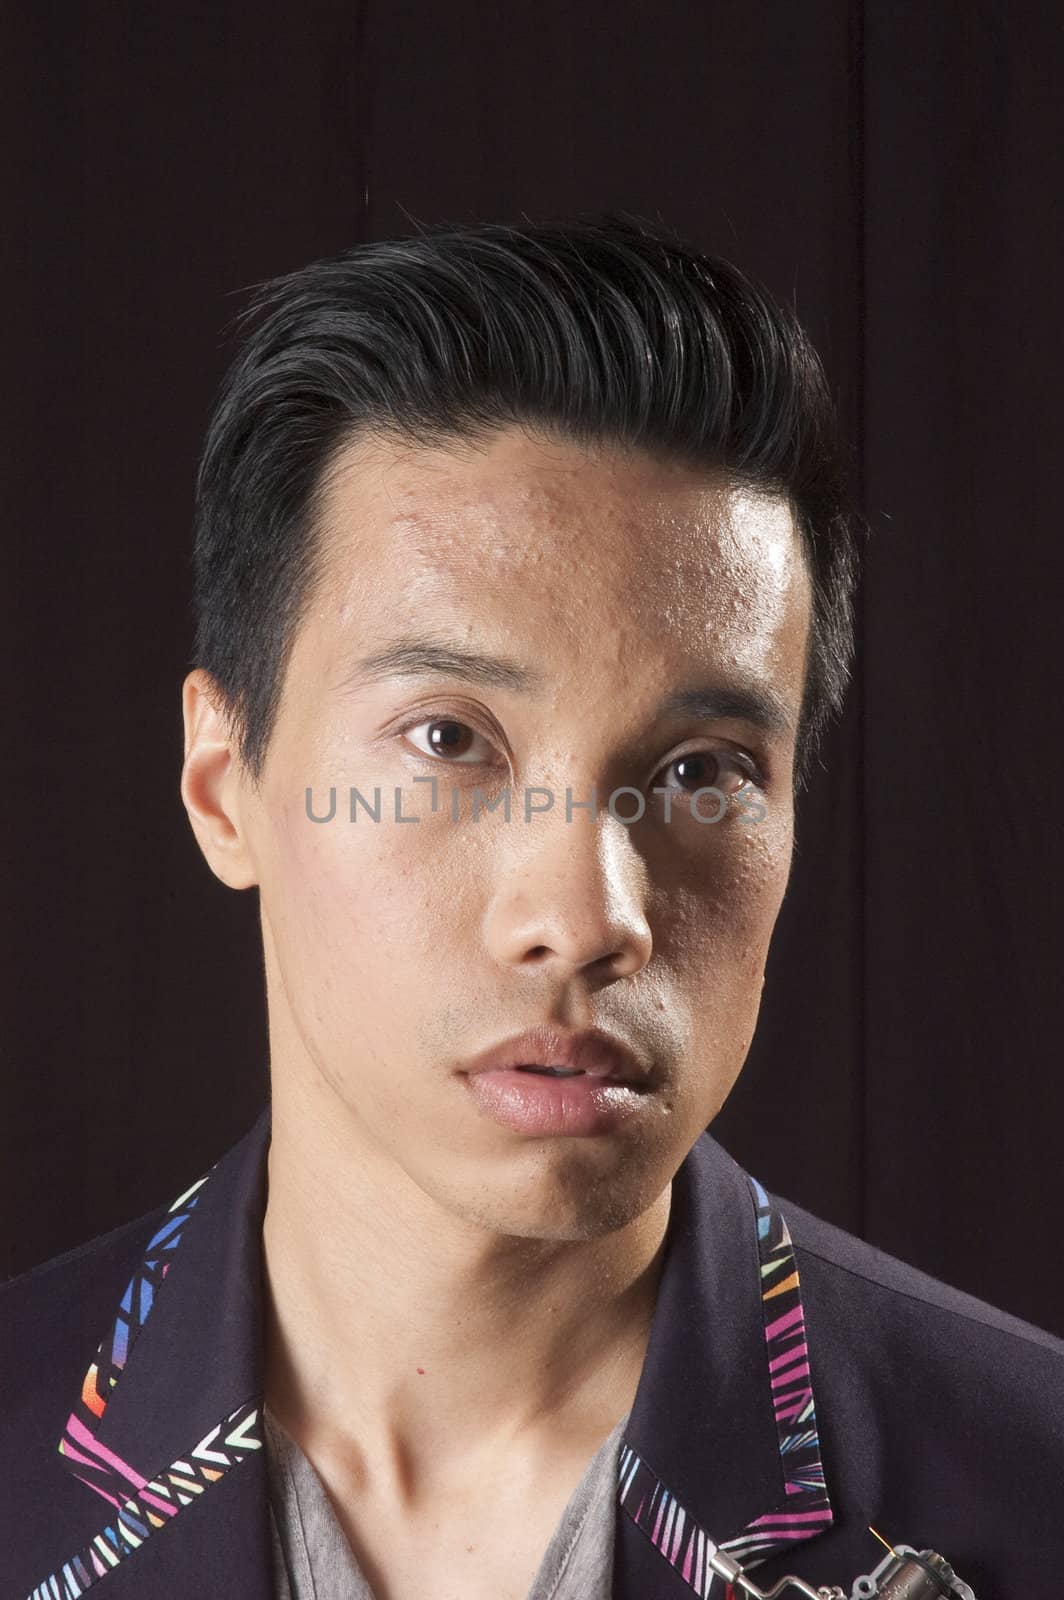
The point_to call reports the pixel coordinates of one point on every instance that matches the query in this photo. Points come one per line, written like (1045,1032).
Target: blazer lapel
(721,1459)
(170,1405)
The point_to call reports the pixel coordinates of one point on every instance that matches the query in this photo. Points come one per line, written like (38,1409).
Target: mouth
(556,1052)
(551,1081)
(555,1072)
(577,1072)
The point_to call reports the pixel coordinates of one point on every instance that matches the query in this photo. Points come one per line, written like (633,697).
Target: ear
(211,783)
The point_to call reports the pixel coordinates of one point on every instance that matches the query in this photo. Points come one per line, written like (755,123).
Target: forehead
(579,546)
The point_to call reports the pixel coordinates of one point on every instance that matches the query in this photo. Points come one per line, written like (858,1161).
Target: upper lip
(589,1050)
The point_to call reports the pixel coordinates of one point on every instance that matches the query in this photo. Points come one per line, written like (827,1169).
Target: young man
(524,586)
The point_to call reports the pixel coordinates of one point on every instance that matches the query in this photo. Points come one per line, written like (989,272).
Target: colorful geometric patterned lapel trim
(804,1509)
(144,1502)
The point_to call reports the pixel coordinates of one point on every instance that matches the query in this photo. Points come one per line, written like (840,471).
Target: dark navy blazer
(131,1437)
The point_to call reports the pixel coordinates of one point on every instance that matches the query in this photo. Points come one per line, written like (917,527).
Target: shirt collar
(720,1457)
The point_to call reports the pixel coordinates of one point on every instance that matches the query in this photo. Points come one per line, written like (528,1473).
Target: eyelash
(742,761)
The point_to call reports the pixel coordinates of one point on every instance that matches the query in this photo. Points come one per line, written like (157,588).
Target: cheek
(348,898)
(715,926)
(713,935)
(753,890)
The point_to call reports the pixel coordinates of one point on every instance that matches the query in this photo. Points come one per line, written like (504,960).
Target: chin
(568,1207)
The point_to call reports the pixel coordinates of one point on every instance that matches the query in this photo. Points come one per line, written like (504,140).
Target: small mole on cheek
(422,1371)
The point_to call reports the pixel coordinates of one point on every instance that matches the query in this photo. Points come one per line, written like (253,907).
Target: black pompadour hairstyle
(604,329)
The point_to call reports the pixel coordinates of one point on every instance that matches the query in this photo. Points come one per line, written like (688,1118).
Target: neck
(416,1336)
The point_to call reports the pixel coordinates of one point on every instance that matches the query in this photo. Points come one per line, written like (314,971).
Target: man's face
(396,951)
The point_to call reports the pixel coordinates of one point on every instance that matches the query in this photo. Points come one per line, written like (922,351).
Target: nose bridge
(573,888)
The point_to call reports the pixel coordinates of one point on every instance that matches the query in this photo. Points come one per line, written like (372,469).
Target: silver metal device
(903,1574)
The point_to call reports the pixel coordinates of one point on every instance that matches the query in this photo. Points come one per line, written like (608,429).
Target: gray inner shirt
(312,1559)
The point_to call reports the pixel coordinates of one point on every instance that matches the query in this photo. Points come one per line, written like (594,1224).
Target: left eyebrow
(745,701)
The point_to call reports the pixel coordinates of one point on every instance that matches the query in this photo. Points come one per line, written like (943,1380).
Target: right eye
(448,741)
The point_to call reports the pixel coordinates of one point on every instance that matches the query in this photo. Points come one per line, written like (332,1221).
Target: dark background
(895,170)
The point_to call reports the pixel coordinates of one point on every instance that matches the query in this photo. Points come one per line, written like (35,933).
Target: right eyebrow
(414,658)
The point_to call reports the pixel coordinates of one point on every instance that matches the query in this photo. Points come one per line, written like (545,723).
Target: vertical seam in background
(362,122)
(859,186)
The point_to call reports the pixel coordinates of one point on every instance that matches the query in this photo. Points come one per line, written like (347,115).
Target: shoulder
(61,1274)
(902,1339)
(53,1316)
(870,1278)
(940,1417)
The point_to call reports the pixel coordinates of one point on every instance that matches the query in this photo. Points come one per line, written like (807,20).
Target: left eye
(709,769)
(447,739)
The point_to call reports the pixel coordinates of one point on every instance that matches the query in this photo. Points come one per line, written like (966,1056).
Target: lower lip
(534,1103)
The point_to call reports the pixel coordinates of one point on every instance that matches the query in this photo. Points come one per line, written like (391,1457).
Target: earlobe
(210,784)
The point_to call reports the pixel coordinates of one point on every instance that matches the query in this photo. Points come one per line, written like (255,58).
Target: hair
(602,330)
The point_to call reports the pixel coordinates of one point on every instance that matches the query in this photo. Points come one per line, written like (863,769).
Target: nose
(572,898)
